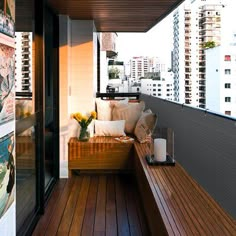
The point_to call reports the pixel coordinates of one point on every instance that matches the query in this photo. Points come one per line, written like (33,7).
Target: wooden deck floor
(94,205)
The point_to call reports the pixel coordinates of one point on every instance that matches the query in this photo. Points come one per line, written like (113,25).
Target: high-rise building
(23,63)
(221,69)
(138,67)
(197,25)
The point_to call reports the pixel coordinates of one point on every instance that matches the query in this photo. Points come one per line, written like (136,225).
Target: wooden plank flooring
(94,205)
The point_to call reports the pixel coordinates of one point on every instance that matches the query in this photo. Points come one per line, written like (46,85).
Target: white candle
(160,149)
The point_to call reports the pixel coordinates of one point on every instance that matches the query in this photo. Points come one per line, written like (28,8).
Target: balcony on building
(204,142)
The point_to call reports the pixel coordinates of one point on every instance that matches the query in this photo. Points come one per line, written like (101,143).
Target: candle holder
(168,135)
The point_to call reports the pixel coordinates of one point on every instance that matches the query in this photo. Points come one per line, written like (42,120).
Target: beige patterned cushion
(109,128)
(104,108)
(130,113)
(145,126)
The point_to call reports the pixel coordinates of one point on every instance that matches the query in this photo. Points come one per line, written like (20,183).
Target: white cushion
(109,128)
(104,107)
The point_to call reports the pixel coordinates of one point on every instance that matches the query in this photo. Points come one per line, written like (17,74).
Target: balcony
(198,144)
(204,147)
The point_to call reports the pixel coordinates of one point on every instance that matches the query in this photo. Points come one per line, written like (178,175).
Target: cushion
(104,107)
(130,113)
(145,126)
(109,128)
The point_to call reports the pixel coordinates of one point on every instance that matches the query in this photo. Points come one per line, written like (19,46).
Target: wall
(213,79)
(77,60)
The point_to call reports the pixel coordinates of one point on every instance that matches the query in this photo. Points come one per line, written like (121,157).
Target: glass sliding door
(26,174)
(37,137)
(51,100)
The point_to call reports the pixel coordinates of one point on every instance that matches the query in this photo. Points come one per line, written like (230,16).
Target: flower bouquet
(84,122)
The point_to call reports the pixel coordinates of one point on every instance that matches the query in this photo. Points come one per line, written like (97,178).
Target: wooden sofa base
(100,153)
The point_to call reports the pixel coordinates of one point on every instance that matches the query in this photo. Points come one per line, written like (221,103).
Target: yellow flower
(83,120)
(93,114)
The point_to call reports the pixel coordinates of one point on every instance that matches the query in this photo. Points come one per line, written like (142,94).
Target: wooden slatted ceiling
(117,16)
(108,15)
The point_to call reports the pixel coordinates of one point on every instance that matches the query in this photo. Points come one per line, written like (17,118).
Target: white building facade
(195,23)
(138,67)
(221,80)
(161,86)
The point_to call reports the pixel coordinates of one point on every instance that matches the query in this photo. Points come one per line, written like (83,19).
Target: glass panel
(25,176)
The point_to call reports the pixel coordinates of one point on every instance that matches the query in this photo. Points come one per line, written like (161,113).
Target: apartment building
(138,67)
(221,79)
(196,24)
(23,63)
(158,84)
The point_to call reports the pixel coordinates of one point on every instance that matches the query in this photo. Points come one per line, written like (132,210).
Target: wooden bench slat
(164,202)
(214,208)
(190,208)
(189,198)
(142,150)
(174,203)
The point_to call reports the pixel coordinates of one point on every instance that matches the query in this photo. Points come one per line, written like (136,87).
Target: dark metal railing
(118,95)
(204,144)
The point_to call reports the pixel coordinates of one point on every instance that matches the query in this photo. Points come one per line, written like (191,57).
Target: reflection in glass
(25,176)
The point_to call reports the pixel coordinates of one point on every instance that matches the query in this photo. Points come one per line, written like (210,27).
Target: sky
(157,42)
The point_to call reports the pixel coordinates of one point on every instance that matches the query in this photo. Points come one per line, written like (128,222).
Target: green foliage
(209,44)
(114,73)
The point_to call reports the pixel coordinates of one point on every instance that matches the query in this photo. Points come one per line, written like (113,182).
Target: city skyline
(152,45)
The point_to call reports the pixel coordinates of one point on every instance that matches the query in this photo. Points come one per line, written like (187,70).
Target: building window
(228,113)
(227,71)
(154,85)
(154,90)
(227,85)
(227,58)
(227,99)
(154,94)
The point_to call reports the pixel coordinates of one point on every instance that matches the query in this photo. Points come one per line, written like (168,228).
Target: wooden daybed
(173,202)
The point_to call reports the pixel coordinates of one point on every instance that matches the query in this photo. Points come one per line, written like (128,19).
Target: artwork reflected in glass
(6,83)
(7,172)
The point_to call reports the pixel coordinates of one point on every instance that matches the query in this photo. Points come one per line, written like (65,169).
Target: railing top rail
(113,95)
(207,111)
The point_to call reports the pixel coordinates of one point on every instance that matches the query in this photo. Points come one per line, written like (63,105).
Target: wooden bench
(175,204)
(100,153)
